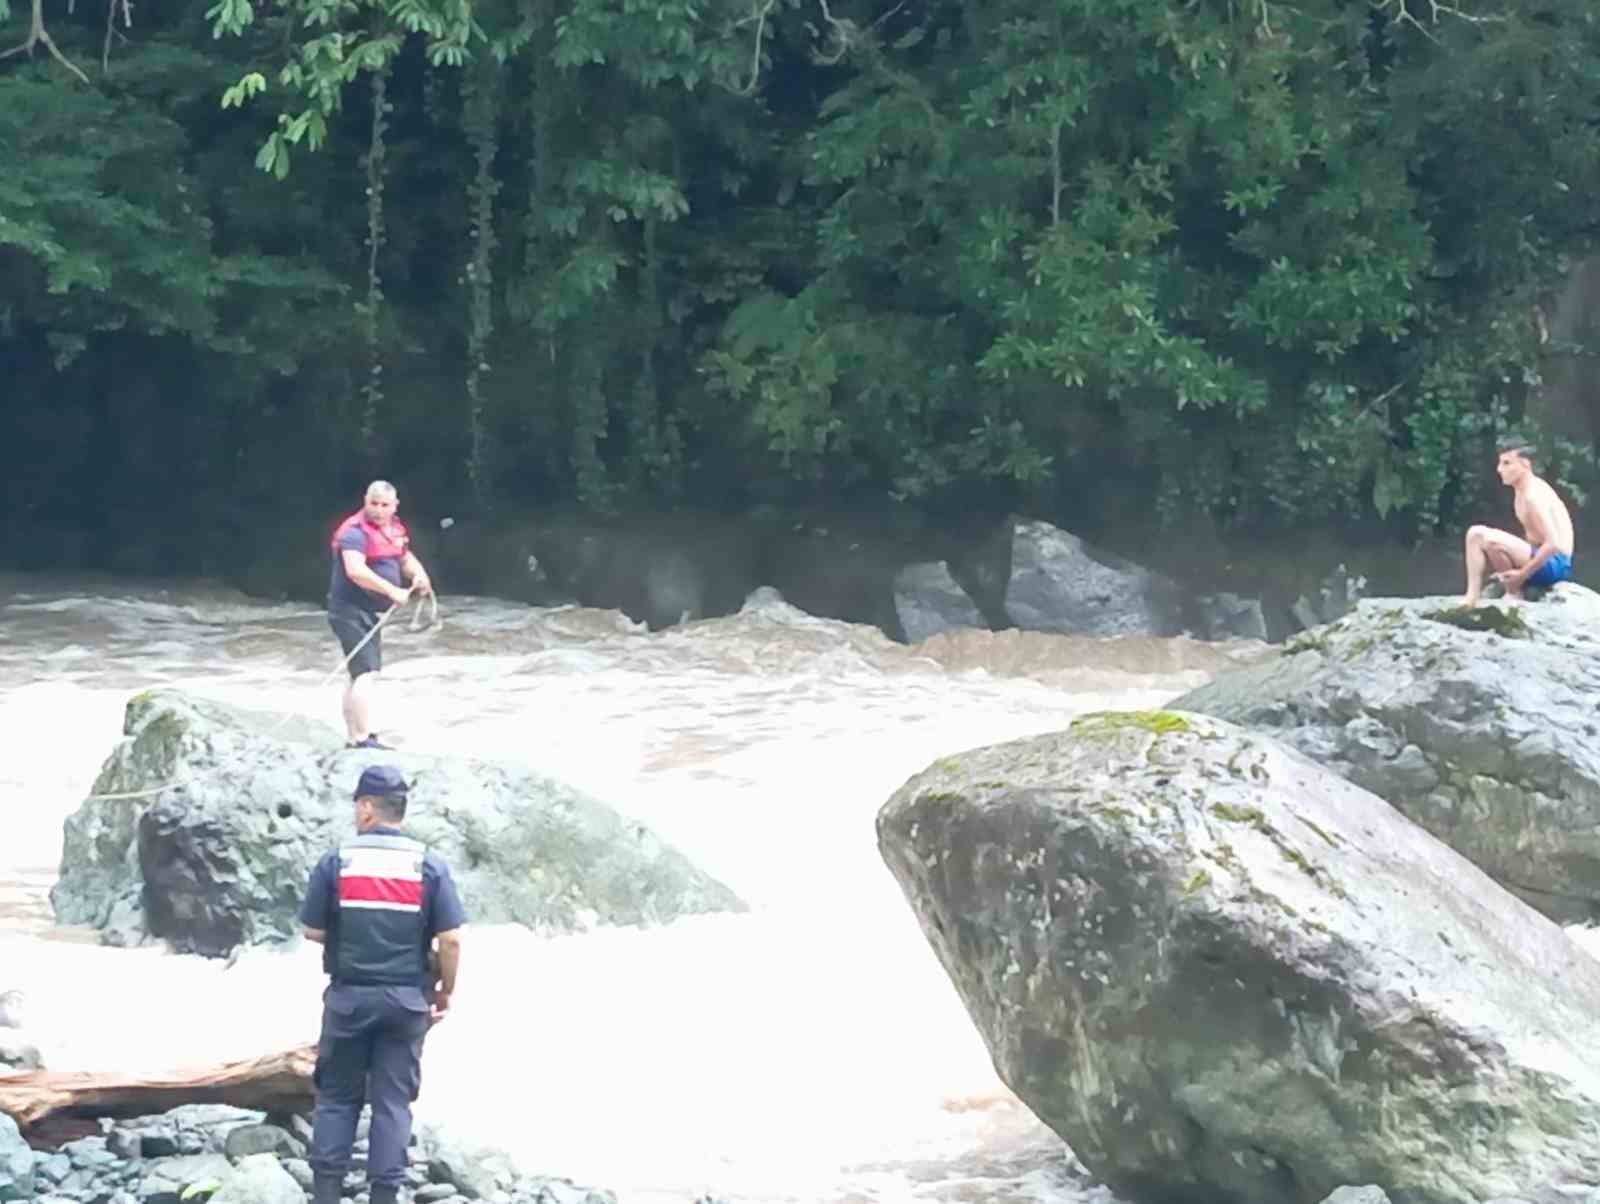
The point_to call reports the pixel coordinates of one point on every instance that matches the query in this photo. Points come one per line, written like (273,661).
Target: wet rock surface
(1482,726)
(1226,975)
(220,857)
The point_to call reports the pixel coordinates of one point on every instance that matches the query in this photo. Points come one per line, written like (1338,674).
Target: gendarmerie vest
(379,937)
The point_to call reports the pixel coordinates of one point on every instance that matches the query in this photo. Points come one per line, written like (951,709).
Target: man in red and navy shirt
(388,917)
(373,566)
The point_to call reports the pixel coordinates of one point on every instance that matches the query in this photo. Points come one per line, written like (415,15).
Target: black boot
(384,1193)
(327,1189)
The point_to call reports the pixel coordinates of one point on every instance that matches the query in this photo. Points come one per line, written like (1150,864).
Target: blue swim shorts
(1557,568)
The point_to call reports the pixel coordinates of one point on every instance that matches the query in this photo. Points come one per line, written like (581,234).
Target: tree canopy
(1277,264)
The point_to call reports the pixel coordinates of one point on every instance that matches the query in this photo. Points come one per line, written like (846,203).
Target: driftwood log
(279,1082)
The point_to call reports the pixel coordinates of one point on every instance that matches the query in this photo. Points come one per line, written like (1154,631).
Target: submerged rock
(1227,976)
(220,859)
(1483,726)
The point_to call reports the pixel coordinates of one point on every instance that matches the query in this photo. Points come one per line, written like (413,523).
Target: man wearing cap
(388,917)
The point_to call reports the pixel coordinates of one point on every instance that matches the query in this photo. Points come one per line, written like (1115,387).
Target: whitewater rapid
(811,1050)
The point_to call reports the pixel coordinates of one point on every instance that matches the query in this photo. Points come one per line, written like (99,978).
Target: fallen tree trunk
(279,1082)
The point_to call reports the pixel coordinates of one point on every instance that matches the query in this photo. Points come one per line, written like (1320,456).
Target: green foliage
(1274,264)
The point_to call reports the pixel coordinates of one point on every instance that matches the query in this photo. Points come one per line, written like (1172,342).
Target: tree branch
(111,27)
(841,30)
(844,33)
(755,59)
(1400,12)
(38,35)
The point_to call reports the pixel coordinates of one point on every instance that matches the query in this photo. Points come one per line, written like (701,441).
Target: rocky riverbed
(197,1153)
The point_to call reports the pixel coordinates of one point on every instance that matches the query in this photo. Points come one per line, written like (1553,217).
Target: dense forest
(1280,265)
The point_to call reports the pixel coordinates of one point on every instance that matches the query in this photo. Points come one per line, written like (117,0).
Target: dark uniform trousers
(370,1052)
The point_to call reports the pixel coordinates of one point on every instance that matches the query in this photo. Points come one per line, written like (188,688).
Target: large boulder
(1227,976)
(929,600)
(220,859)
(658,570)
(1061,584)
(1483,726)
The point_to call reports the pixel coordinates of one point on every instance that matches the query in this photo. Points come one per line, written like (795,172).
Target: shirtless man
(1544,557)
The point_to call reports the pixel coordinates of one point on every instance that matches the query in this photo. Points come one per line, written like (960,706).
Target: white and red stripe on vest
(381,878)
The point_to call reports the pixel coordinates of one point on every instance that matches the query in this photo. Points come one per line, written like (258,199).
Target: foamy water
(811,1050)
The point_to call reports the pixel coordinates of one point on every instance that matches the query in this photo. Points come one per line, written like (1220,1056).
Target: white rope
(416,625)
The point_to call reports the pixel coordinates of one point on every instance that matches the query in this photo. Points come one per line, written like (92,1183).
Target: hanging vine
(482,87)
(644,442)
(372,392)
(589,414)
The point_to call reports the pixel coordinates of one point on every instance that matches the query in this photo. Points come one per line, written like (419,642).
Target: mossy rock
(1160,723)
(1504,621)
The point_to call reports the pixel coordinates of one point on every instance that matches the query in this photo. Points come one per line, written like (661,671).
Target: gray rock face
(476,1172)
(50,1170)
(1058,583)
(259,1179)
(1482,726)
(89,1153)
(1227,976)
(248,1140)
(16,1162)
(300,1171)
(17,1052)
(1228,616)
(929,600)
(434,1192)
(221,860)
(164,1180)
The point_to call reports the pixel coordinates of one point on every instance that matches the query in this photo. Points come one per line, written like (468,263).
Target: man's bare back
(1543,555)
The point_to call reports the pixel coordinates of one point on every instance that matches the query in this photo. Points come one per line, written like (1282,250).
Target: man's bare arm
(449,944)
(355,568)
(319,935)
(412,568)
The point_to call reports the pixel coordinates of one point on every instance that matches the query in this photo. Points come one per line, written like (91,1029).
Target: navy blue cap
(381,781)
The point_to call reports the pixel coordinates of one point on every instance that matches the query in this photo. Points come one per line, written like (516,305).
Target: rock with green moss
(219,859)
(1225,975)
(1481,725)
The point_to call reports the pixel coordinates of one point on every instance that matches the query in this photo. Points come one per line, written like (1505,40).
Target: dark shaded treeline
(1248,269)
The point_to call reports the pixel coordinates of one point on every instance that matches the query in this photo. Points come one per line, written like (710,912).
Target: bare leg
(1490,548)
(358,708)
(1477,563)
(1500,561)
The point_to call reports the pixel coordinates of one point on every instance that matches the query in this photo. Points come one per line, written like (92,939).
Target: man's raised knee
(1477,534)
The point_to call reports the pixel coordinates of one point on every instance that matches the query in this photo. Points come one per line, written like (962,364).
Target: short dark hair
(390,806)
(1516,447)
